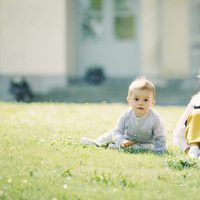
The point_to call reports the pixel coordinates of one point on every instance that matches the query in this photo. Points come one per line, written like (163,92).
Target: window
(91,19)
(124,19)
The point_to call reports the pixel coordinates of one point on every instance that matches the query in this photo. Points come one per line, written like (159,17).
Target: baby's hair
(141,83)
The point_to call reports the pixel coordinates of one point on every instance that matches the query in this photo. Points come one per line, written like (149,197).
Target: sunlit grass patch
(183,163)
(41,156)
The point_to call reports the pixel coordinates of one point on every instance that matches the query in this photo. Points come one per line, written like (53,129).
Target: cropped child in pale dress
(187,130)
(139,127)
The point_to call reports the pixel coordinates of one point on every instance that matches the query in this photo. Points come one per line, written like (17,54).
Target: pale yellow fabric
(192,133)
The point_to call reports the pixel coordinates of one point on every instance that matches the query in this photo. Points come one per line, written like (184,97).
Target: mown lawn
(41,157)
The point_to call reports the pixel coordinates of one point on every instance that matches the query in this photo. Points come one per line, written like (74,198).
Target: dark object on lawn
(95,75)
(20,89)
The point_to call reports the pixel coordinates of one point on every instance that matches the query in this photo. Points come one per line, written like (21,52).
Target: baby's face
(141,101)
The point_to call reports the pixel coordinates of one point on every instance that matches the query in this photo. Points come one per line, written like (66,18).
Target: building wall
(71,38)
(38,40)
(175,39)
(33,41)
(149,37)
(165,38)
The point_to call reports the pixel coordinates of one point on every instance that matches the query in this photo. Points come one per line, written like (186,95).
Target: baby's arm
(159,136)
(126,143)
(119,130)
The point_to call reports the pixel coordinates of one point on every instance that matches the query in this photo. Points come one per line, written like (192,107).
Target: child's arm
(119,130)
(179,131)
(126,143)
(159,136)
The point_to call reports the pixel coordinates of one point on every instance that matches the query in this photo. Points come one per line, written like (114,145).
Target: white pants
(104,139)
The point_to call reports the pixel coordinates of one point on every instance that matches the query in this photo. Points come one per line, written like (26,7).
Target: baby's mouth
(140,108)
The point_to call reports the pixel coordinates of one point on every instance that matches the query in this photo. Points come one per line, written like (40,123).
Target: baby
(139,127)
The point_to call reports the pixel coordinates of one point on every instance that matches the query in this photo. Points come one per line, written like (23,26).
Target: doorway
(107,36)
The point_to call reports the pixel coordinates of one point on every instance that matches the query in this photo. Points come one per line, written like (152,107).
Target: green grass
(41,157)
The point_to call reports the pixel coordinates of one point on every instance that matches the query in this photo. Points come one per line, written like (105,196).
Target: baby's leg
(104,139)
(193,128)
(192,134)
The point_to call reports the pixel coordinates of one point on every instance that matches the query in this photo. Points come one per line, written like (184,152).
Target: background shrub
(95,74)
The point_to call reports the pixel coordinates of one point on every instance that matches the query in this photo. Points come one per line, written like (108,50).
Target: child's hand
(127,143)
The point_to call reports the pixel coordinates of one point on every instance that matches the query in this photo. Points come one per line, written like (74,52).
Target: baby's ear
(127,98)
(129,101)
(154,102)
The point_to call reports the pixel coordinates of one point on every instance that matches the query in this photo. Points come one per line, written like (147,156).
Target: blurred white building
(50,41)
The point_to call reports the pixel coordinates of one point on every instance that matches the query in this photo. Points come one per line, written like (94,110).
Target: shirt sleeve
(179,131)
(119,130)
(159,135)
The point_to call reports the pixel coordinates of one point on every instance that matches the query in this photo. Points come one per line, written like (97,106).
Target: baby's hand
(127,143)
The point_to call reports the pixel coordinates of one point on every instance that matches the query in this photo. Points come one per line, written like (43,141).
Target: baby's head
(141,96)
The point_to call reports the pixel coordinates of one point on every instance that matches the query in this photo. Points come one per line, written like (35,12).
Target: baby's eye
(146,100)
(136,99)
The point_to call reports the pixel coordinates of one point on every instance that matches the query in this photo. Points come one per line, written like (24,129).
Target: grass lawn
(41,157)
